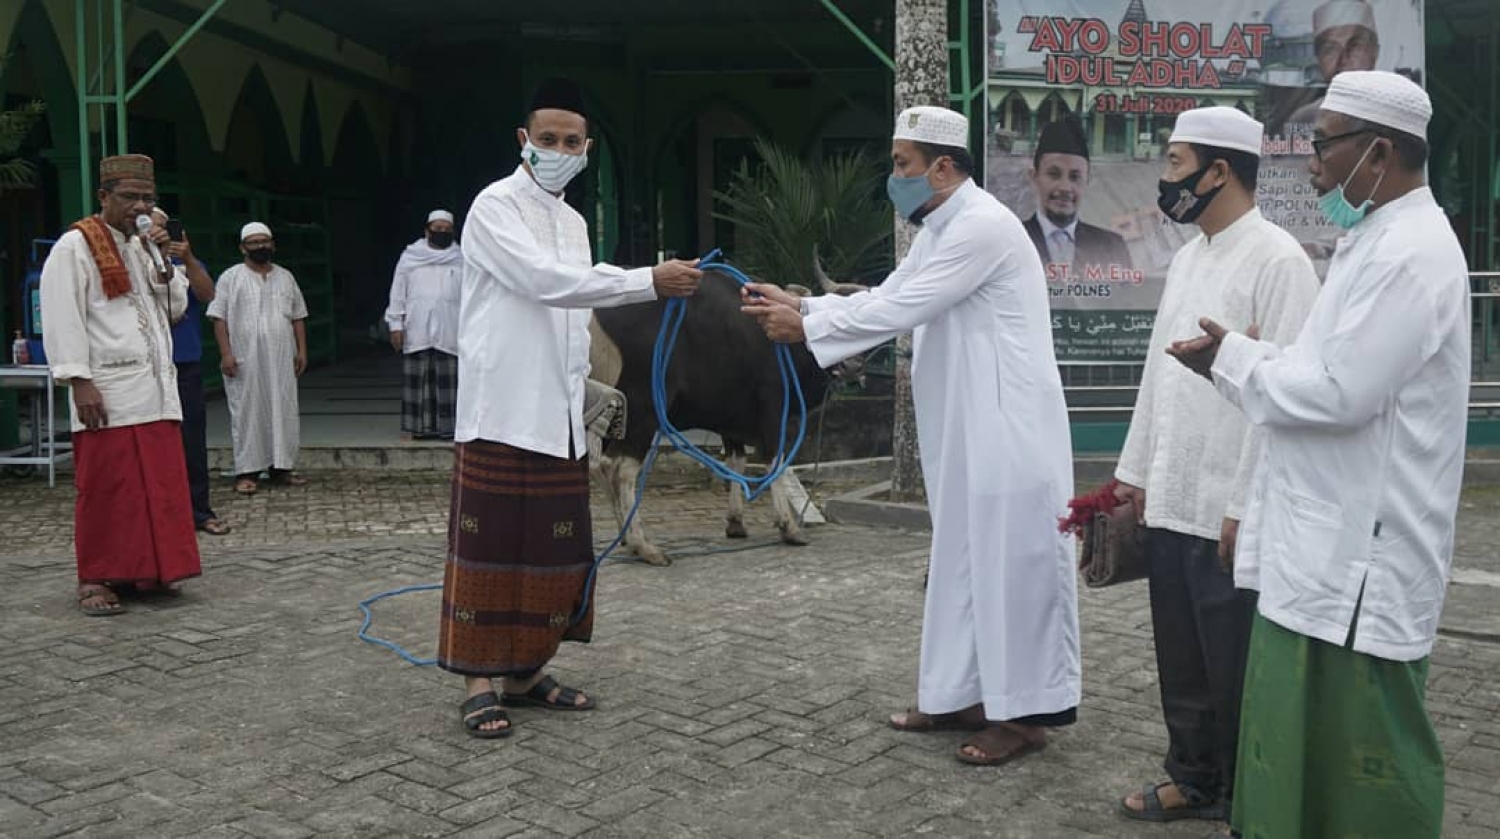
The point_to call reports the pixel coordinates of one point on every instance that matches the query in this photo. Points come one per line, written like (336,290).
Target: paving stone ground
(741,694)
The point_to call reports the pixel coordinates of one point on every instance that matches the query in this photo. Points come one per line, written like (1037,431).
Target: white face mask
(552,169)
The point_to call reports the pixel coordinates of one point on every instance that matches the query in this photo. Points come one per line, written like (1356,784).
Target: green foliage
(784,207)
(16,172)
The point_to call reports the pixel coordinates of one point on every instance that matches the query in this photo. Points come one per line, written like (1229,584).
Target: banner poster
(1082,96)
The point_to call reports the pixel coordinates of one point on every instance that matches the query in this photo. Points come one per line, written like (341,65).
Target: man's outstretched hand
(1198,354)
(676,278)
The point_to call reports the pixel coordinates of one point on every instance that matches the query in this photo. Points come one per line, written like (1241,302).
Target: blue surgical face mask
(909,194)
(1336,207)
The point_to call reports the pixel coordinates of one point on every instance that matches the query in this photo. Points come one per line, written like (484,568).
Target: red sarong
(133,522)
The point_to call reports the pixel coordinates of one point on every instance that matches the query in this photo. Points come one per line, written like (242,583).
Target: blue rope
(666,342)
(364,606)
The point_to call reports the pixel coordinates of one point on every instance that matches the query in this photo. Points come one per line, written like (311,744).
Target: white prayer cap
(1381,97)
(255,228)
(1343,13)
(439,215)
(1220,126)
(928,124)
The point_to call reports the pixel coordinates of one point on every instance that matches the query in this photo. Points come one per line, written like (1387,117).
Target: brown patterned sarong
(520,547)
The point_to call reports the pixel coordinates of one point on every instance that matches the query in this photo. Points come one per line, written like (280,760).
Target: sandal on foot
(246,486)
(918,722)
(997,746)
(106,602)
(214,527)
(288,479)
(1195,805)
(482,710)
(539,695)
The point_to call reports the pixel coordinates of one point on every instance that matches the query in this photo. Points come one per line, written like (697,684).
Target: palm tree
(785,209)
(17,172)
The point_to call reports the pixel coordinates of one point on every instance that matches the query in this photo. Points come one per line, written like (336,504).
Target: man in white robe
(1000,652)
(260,324)
(423,321)
(1188,458)
(1349,528)
(519,573)
(109,299)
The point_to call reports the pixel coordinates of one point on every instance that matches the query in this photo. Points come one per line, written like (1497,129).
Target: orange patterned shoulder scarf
(112,268)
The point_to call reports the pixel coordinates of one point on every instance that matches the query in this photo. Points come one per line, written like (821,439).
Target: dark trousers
(195,437)
(1202,625)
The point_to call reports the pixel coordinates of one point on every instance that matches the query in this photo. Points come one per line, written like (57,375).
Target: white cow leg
(635,535)
(734,520)
(786,520)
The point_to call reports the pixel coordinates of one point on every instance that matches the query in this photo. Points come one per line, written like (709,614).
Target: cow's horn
(828,286)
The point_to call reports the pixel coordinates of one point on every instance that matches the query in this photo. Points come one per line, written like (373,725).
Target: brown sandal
(920,723)
(214,527)
(998,745)
(246,486)
(103,594)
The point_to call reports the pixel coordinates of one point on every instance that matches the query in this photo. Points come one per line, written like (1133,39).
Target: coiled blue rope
(661,357)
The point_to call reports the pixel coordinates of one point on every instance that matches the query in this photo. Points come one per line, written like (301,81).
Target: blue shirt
(187,335)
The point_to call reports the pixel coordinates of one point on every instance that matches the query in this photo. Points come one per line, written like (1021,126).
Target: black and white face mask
(1179,200)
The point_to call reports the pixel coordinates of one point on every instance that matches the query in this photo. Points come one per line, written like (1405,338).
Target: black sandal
(482,710)
(1195,805)
(537,696)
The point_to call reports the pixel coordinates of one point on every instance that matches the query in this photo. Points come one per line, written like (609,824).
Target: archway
(357,192)
(698,156)
(165,118)
(256,149)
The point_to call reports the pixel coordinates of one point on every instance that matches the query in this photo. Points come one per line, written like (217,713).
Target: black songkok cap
(1063,137)
(558,94)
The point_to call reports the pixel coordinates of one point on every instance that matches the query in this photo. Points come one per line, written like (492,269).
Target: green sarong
(1334,744)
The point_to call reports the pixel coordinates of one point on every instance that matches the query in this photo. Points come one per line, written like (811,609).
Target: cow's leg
(734,520)
(606,469)
(786,518)
(626,475)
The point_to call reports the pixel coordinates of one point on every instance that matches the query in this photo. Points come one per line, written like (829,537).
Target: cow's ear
(799,290)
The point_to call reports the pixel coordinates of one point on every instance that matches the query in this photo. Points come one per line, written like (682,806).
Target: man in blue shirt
(187,352)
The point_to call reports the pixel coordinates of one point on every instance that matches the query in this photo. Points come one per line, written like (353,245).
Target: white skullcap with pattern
(929,124)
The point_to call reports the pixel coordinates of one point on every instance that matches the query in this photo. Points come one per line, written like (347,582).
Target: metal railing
(1101,390)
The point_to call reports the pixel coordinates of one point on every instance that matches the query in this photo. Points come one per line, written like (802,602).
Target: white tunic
(1188,448)
(424,297)
(523,335)
(259,310)
(1366,415)
(1001,619)
(123,345)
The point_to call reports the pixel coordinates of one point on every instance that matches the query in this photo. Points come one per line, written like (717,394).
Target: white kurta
(1366,414)
(123,345)
(425,296)
(259,310)
(1001,619)
(523,336)
(1192,452)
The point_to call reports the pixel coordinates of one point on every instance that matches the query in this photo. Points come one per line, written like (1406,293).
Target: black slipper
(537,697)
(483,709)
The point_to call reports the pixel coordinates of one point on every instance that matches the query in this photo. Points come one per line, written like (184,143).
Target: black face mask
(260,256)
(1178,200)
(440,239)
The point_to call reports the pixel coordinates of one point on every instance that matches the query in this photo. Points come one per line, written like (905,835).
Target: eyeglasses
(146,198)
(1320,146)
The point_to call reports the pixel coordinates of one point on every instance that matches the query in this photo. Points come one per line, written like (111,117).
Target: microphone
(143,227)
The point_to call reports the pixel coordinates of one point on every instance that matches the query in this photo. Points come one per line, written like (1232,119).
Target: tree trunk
(921,79)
